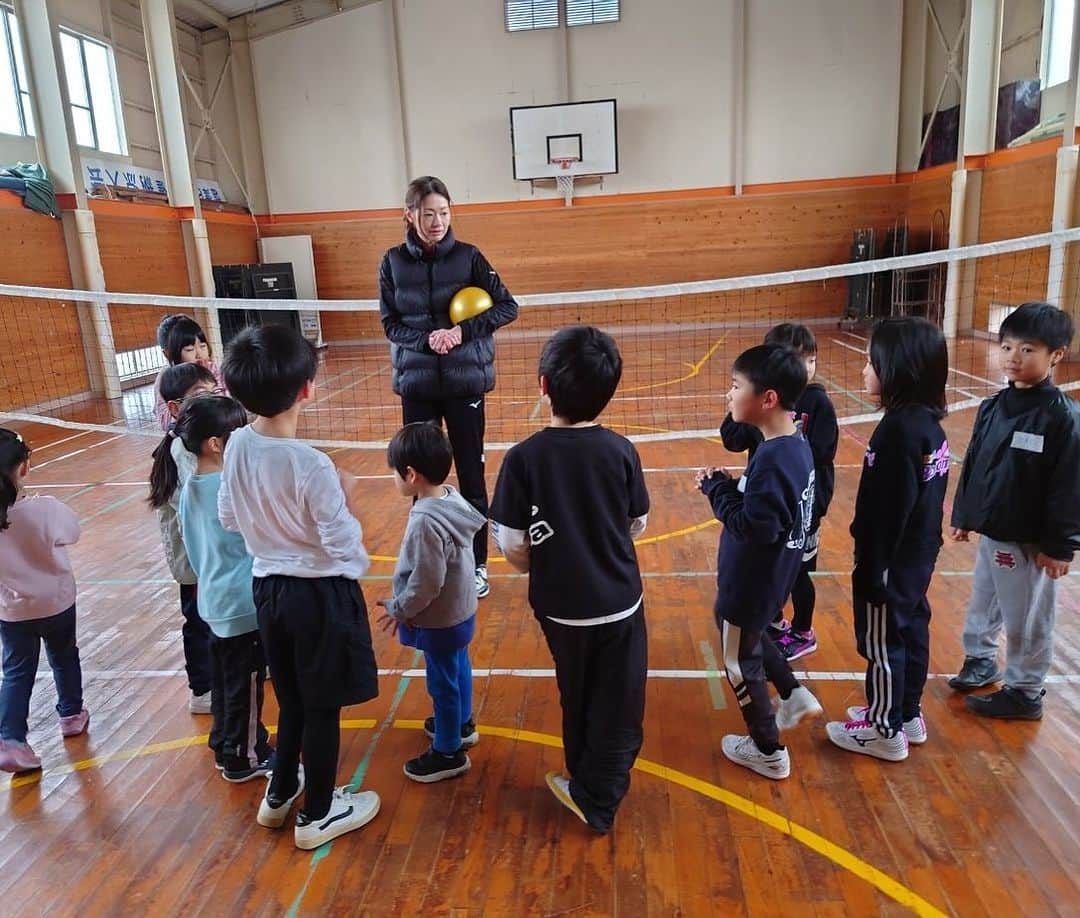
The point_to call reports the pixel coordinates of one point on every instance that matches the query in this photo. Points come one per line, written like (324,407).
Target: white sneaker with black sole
(914,729)
(273,813)
(863,737)
(801,703)
(742,750)
(348,812)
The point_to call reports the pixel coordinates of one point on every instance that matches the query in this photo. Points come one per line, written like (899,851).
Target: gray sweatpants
(1011,592)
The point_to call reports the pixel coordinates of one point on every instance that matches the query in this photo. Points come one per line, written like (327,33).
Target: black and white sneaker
(434,766)
(863,737)
(262,769)
(273,811)
(482,585)
(348,811)
(470,736)
(742,750)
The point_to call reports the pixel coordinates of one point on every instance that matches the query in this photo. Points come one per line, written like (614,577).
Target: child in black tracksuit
(815,417)
(897,532)
(1020,491)
(568,503)
(766,515)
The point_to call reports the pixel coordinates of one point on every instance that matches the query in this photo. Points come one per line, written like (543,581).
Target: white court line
(527,673)
(861,351)
(982,379)
(38,449)
(352,385)
(77,452)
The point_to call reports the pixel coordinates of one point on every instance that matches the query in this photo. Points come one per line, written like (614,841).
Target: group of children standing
(269,532)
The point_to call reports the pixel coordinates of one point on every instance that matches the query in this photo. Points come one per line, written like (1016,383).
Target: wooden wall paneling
(141,256)
(1017,200)
(42,358)
(622,245)
(232,243)
(925,200)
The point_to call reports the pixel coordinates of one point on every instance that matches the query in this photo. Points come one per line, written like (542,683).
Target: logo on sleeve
(936,465)
(539,530)
(869,458)
(804,518)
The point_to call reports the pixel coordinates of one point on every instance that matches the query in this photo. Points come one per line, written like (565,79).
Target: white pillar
(978,115)
(1061,276)
(57,149)
(162,52)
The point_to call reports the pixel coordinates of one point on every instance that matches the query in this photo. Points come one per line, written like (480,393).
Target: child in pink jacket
(37,603)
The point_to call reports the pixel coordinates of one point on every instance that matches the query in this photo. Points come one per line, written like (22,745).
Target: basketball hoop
(564,180)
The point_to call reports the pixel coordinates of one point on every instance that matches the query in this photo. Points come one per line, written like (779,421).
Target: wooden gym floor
(132,818)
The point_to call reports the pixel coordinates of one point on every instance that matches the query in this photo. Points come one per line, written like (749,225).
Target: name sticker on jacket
(1033,443)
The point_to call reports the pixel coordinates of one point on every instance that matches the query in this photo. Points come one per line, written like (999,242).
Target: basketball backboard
(544,137)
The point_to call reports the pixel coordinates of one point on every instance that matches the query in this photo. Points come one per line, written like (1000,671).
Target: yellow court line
(816,843)
(695,369)
(648,540)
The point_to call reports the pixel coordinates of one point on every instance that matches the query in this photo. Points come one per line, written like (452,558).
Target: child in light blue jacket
(220,560)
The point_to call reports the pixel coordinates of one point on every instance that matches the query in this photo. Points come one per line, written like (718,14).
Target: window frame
(532,28)
(1051,8)
(578,25)
(22,93)
(114,85)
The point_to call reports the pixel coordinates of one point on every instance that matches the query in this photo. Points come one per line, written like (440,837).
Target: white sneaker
(742,750)
(914,729)
(482,585)
(348,811)
(273,817)
(802,703)
(862,737)
(199,704)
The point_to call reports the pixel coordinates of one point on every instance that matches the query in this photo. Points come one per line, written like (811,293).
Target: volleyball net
(67,351)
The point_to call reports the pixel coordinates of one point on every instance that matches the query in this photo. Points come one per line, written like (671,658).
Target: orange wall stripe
(129,209)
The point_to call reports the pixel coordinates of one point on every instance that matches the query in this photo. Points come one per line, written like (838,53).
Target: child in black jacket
(815,417)
(897,532)
(1020,490)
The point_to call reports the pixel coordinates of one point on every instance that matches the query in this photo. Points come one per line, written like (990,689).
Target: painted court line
(711,673)
(840,856)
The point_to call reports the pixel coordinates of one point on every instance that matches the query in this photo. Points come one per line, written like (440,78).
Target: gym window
(522,15)
(91,82)
(587,12)
(16,116)
(1057,40)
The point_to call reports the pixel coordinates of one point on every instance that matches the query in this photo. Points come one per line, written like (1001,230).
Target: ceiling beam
(204,9)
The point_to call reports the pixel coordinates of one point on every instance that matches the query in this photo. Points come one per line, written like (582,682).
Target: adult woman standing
(442,371)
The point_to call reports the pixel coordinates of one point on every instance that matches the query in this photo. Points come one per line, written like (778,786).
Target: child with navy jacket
(815,417)
(767,514)
(897,532)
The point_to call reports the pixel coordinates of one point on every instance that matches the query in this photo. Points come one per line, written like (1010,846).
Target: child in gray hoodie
(434,604)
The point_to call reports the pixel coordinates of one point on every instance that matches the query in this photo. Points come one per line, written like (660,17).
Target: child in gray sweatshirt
(434,603)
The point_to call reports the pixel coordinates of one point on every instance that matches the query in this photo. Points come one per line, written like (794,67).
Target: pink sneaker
(16,757)
(74,724)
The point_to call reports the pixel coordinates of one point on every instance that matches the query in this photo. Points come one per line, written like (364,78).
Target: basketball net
(564,181)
